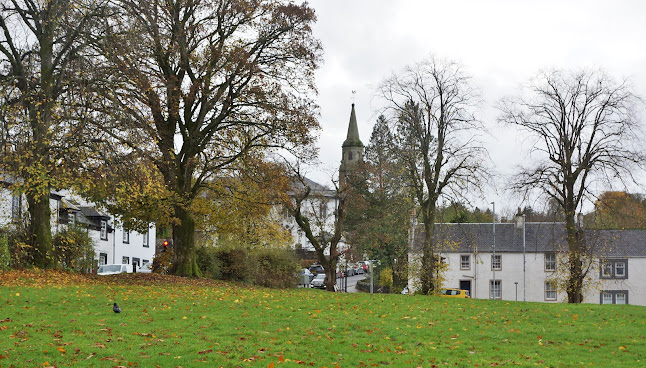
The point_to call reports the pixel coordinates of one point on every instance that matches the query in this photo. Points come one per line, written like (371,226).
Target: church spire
(353,132)
(352,148)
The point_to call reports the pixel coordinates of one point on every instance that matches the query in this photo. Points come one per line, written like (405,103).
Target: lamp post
(493,266)
(516,283)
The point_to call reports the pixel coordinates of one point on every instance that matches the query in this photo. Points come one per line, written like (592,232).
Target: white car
(113,269)
(146,268)
(318,281)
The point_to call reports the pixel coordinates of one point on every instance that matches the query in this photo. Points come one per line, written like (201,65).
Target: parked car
(318,281)
(146,268)
(364,266)
(455,293)
(315,269)
(113,269)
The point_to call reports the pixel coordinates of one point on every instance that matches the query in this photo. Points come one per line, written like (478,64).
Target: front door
(465,285)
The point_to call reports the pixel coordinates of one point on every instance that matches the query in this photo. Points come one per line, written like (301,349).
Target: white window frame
(550,261)
(16,207)
(125,260)
(146,239)
(126,236)
(550,290)
(465,261)
(104,230)
(606,297)
(495,293)
(606,269)
(623,269)
(493,262)
(71,218)
(623,298)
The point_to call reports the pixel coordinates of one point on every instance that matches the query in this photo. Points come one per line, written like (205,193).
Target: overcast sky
(501,44)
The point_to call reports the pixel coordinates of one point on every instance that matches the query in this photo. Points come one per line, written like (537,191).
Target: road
(352,282)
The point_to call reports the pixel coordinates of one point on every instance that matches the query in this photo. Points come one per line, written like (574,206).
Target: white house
(526,263)
(112,244)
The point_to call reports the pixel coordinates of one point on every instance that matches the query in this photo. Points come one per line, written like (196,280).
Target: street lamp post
(516,283)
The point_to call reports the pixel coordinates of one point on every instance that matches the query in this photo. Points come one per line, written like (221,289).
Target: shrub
(386,277)
(235,264)
(74,249)
(208,262)
(277,267)
(5,258)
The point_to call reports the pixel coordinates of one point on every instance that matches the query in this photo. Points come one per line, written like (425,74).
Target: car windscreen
(110,268)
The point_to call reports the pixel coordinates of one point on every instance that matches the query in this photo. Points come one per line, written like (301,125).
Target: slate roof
(540,237)
(316,188)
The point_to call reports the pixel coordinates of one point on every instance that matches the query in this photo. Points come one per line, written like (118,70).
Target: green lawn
(57,319)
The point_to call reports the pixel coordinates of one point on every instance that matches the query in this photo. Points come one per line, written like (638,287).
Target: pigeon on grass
(116,308)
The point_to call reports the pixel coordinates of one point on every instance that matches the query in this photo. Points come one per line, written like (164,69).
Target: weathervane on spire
(353,95)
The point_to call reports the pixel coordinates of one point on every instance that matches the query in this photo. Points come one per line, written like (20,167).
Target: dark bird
(116,308)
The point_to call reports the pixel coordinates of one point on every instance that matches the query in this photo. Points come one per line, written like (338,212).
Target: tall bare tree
(203,84)
(41,57)
(432,108)
(582,129)
(308,204)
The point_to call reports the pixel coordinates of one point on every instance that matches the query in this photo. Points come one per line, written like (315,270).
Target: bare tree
(583,129)
(431,106)
(308,205)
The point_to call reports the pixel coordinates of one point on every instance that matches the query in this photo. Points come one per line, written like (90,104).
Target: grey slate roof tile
(540,237)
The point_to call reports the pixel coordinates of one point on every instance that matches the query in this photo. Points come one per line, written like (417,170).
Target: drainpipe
(114,244)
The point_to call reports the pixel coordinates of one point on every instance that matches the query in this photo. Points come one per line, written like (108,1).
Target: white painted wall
(480,274)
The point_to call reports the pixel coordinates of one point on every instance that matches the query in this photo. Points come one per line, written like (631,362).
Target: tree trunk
(185,263)
(575,278)
(40,230)
(427,276)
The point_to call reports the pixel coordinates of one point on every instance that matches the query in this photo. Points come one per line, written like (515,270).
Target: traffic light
(165,243)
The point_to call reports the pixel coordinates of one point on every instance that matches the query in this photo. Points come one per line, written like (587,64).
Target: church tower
(352,149)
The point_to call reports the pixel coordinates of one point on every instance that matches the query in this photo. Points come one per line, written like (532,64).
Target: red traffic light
(165,243)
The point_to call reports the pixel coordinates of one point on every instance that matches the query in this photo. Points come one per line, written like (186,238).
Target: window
(620,298)
(614,269)
(350,155)
(71,218)
(550,261)
(495,289)
(323,209)
(103,259)
(125,260)
(550,290)
(126,236)
(465,262)
(620,269)
(496,262)
(146,245)
(614,297)
(15,207)
(104,230)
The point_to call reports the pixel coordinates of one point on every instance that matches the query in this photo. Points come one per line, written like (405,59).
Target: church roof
(353,132)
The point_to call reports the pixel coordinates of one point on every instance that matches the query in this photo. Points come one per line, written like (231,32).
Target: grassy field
(57,319)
